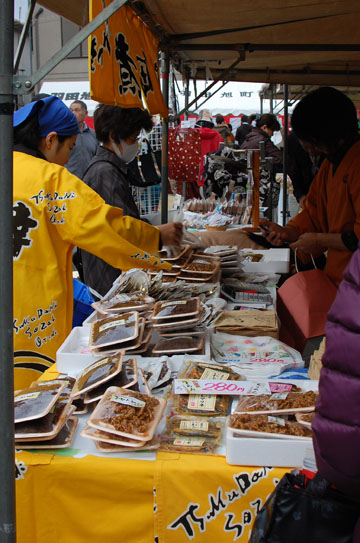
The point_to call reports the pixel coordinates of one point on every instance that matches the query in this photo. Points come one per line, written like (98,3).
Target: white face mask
(129,151)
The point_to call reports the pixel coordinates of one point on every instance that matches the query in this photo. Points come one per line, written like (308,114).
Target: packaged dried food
(194,426)
(97,373)
(284,402)
(33,403)
(206,405)
(123,303)
(62,440)
(175,253)
(137,342)
(127,413)
(191,277)
(267,426)
(179,344)
(80,407)
(110,448)
(305,419)
(68,382)
(200,265)
(45,427)
(176,324)
(126,378)
(221,250)
(105,437)
(114,330)
(156,372)
(252,257)
(188,444)
(176,309)
(192,369)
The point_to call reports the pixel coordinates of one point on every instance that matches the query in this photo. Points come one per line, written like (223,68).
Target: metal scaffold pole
(7,461)
(165,66)
(285,155)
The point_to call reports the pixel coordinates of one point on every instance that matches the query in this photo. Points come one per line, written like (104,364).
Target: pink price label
(280,387)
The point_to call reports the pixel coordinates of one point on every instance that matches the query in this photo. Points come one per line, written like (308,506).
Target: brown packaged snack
(187,444)
(97,373)
(305,419)
(60,441)
(201,265)
(68,382)
(114,330)
(45,427)
(277,403)
(265,424)
(126,378)
(206,405)
(105,437)
(194,426)
(123,303)
(179,344)
(206,370)
(127,413)
(33,403)
(110,448)
(176,309)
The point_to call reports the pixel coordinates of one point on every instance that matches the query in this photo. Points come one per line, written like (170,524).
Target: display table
(174,499)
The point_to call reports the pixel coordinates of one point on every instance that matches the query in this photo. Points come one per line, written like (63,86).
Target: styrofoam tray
(275,260)
(254,451)
(74,354)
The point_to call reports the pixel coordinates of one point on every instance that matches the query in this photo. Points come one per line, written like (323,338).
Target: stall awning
(298,42)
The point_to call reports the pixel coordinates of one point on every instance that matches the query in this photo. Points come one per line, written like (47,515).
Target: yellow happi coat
(53,211)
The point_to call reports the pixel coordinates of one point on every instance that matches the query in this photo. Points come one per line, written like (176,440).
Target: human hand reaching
(171,233)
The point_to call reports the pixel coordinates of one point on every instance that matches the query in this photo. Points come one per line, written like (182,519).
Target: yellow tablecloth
(177,498)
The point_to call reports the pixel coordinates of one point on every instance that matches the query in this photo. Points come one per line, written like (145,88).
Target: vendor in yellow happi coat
(53,211)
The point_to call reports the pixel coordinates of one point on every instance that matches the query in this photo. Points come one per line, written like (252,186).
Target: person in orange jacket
(53,210)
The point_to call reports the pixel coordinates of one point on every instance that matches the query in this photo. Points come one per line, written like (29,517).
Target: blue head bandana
(53,116)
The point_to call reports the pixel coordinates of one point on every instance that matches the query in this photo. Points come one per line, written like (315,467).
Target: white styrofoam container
(69,358)
(274,261)
(255,451)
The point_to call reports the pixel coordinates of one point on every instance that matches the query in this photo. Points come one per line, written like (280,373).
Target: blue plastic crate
(82,303)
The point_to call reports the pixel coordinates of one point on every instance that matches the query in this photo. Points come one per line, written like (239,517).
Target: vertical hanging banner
(123,57)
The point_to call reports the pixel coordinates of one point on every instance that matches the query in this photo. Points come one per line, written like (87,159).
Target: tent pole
(285,155)
(7,460)
(165,65)
(187,89)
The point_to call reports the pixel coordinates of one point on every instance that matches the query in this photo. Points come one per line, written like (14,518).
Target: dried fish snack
(283,402)
(127,413)
(205,370)
(124,303)
(60,441)
(33,403)
(195,426)
(188,444)
(176,309)
(114,330)
(68,382)
(265,424)
(97,373)
(206,405)
(179,344)
(45,427)
(126,378)
(110,448)
(99,435)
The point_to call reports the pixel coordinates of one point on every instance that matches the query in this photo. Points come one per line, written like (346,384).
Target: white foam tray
(274,261)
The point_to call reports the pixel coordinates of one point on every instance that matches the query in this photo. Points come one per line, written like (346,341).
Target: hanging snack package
(279,402)
(127,413)
(33,403)
(188,444)
(97,373)
(126,378)
(60,441)
(113,331)
(267,426)
(179,344)
(45,427)
(176,309)
(195,426)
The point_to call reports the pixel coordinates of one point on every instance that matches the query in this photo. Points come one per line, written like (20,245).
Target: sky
(20,10)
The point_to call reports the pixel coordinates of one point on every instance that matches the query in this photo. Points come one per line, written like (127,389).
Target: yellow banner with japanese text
(123,57)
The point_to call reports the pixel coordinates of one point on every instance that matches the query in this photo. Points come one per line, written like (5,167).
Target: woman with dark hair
(265,127)
(330,217)
(53,211)
(118,130)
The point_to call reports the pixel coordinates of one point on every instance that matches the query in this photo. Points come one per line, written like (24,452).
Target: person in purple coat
(336,425)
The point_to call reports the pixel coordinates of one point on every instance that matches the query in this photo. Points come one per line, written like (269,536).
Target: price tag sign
(280,387)
(214,386)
